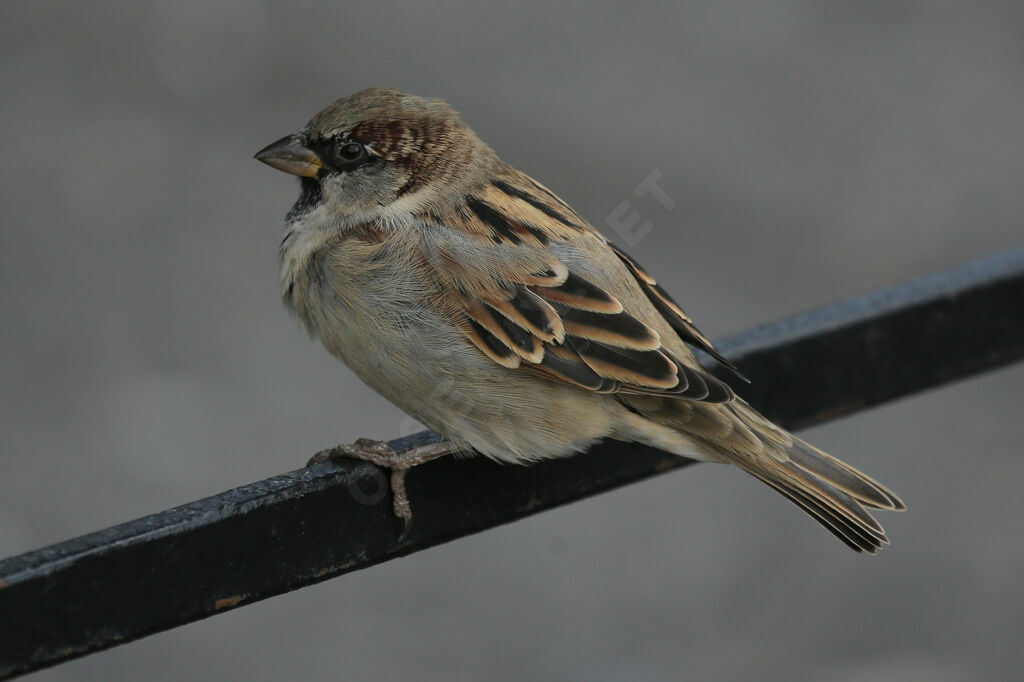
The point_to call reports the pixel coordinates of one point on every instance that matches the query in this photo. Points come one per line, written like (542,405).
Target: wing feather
(675,316)
(621,329)
(532,313)
(513,337)
(576,292)
(551,320)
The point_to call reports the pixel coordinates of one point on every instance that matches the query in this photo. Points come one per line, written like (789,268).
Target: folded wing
(530,311)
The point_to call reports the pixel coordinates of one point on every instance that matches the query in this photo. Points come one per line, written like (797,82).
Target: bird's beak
(291,156)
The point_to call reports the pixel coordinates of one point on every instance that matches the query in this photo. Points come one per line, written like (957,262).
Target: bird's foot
(384,456)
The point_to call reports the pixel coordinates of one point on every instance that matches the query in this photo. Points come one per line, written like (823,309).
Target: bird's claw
(384,456)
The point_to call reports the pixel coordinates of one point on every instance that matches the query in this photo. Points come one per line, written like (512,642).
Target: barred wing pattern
(552,321)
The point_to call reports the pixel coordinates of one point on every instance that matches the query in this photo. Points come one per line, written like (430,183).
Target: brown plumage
(422,260)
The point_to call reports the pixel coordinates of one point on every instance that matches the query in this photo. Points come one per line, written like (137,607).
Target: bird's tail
(834,493)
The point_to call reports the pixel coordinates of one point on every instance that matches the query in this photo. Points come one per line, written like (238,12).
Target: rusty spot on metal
(667,465)
(227,602)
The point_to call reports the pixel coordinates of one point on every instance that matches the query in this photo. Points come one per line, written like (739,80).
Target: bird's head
(378,152)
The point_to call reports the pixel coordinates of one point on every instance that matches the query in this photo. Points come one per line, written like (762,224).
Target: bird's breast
(369,307)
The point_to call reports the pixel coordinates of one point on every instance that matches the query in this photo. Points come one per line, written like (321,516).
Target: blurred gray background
(813,152)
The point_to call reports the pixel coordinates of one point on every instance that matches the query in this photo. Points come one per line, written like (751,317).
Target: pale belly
(423,365)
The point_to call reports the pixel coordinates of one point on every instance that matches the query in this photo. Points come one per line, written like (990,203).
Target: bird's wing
(493,257)
(673,314)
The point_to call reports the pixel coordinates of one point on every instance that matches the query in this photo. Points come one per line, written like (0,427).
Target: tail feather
(865,489)
(833,493)
(852,536)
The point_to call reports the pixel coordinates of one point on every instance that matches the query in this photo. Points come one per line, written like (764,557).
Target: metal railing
(293,530)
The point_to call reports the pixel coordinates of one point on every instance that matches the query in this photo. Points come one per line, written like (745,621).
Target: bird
(477,301)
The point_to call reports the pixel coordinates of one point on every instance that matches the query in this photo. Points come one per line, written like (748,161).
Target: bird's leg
(384,456)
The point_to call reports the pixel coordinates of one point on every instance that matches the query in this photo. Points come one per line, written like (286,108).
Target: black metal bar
(259,540)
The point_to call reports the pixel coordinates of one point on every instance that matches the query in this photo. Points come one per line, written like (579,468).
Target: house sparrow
(477,301)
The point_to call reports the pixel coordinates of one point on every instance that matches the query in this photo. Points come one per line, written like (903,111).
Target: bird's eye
(351,151)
